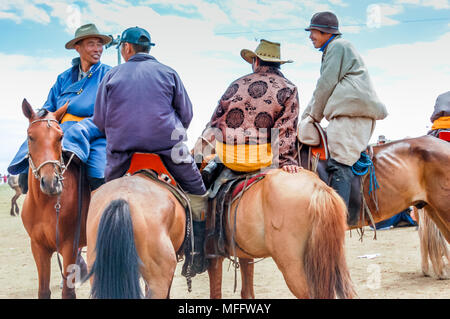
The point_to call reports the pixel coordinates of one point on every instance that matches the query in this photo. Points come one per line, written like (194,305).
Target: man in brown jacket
(253,110)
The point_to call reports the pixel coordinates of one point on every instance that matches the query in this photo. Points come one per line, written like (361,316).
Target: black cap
(324,21)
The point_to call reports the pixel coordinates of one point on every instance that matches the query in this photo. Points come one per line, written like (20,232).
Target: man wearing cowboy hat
(252,108)
(345,97)
(78,86)
(142,106)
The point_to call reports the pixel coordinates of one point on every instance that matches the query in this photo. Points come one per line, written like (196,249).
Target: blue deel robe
(82,138)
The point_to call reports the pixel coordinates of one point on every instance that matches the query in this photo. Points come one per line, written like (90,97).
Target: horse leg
(14,205)
(68,291)
(18,193)
(159,262)
(247,269)
(215,277)
(42,258)
(294,274)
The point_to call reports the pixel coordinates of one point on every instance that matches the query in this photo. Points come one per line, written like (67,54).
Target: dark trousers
(341,180)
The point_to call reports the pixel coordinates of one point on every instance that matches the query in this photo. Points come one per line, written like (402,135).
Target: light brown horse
(433,246)
(135,228)
(410,172)
(298,221)
(13,182)
(47,192)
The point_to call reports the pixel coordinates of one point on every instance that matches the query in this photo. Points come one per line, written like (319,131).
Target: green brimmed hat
(87,31)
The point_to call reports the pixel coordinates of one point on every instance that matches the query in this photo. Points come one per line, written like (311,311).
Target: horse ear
(59,113)
(27,109)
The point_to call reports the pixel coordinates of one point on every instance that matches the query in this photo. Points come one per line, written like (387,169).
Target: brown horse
(410,172)
(13,182)
(433,246)
(50,209)
(135,228)
(298,221)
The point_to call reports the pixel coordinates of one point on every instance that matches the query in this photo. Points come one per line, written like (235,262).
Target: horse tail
(116,267)
(325,265)
(435,244)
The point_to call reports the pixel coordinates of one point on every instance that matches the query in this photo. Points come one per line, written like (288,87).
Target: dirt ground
(394,271)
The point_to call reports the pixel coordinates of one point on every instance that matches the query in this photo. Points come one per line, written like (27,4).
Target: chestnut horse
(298,221)
(410,172)
(50,209)
(135,228)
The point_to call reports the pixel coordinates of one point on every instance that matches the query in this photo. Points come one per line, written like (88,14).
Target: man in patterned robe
(253,110)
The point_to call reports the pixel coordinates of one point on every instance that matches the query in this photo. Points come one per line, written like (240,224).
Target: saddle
(226,189)
(151,166)
(315,158)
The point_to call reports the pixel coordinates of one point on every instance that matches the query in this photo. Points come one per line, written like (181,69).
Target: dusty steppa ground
(395,273)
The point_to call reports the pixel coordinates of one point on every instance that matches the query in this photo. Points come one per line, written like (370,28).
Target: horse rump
(325,265)
(116,266)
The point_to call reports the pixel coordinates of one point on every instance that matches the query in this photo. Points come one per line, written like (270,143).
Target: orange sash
(70,117)
(440,123)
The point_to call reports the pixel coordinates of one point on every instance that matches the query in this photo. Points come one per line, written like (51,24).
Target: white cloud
(19,10)
(436,4)
(339,3)
(408,78)
(10,16)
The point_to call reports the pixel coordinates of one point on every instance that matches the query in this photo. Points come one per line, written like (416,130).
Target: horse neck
(393,162)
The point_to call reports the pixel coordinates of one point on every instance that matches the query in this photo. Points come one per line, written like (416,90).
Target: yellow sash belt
(244,157)
(70,117)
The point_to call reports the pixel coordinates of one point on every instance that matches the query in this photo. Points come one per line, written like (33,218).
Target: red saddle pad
(445,136)
(151,161)
(251,181)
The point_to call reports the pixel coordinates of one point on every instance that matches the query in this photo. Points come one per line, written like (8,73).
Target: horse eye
(30,138)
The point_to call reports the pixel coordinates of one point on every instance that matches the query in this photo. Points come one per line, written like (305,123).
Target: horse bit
(60,164)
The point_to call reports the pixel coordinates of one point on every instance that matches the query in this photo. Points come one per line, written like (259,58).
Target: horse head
(44,147)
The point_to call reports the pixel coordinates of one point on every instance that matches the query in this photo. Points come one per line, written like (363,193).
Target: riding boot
(95,183)
(341,182)
(199,205)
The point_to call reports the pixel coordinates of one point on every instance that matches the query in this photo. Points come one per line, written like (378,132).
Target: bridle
(56,163)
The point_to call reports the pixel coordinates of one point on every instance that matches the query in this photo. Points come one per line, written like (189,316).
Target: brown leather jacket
(264,99)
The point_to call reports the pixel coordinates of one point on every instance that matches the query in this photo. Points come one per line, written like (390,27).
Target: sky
(404,44)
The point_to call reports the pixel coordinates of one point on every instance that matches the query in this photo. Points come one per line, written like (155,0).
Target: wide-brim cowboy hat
(266,51)
(326,22)
(87,31)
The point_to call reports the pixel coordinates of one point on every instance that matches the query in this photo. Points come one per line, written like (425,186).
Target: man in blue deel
(142,106)
(78,85)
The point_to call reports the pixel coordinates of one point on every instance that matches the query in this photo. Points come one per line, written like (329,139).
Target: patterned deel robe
(264,99)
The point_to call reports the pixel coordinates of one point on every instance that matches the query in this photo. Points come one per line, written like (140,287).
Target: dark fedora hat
(324,21)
